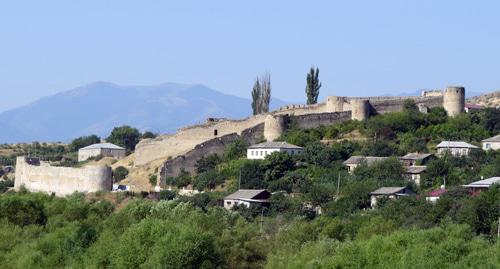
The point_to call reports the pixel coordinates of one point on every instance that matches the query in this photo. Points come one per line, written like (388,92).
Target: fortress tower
(454,100)
(334,104)
(360,109)
(274,126)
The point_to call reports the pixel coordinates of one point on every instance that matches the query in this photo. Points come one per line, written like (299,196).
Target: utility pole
(239,181)
(262,220)
(338,186)
(498,229)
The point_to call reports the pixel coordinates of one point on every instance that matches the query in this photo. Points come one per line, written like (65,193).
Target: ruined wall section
(396,104)
(213,146)
(62,181)
(301,109)
(316,120)
(187,138)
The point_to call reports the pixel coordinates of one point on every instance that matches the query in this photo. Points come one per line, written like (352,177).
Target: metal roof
(368,159)
(416,169)
(485,183)
(496,138)
(391,190)
(245,194)
(274,145)
(102,146)
(415,156)
(456,144)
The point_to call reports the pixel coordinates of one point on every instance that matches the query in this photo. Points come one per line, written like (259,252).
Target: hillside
(488,100)
(98,107)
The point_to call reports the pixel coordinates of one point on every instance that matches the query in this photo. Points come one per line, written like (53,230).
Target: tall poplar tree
(313,85)
(261,94)
(266,92)
(256,97)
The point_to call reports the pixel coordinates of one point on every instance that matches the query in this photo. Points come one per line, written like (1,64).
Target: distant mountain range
(98,107)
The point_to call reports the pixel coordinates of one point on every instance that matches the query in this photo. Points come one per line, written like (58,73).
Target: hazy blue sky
(361,47)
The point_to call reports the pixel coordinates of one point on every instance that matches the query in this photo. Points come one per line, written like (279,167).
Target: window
(487,145)
(215,132)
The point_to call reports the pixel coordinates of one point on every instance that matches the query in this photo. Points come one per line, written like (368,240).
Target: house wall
(230,203)
(61,181)
(260,154)
(491,145)
(85,154)
(454,151)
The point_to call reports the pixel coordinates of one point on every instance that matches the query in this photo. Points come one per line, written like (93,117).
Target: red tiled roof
(436,193)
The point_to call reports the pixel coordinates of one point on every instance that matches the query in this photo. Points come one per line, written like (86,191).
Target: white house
(260,151)
(103,149)
(492,143)
(354,161)
(389,193)
(247,198)
(455,148)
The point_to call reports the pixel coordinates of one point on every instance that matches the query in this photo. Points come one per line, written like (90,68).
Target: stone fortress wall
(335,109)
(39,176)
(217,145)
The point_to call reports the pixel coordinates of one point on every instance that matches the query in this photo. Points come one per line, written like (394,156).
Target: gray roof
(358,159)
(415,156)
(245,194)
(389,190)
(416,169)
(496,138)
(102,146)
(274,145)
(455,144)
(485,183)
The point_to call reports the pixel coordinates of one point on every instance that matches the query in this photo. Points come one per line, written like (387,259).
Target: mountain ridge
(97,107)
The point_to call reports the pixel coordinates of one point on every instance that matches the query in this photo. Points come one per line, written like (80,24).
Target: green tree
(124,136)
(148,134)
(207,163)
(261,94)
(236,150)
(313,85)
(120,173)
(266,93)
(256,97)
(83,141)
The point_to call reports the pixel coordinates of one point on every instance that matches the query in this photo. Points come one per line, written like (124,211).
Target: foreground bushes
(40,231)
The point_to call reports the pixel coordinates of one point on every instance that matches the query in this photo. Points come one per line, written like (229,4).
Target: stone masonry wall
(214,146)
(187,138)
(61,181)
(315,120)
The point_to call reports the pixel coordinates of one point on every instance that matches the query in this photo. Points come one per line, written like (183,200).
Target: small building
(414,173)
(355,161)
(389,193)
(471,107)
(482,185)
(455,148)
(247,198)
(434,195)
(492,143)
(416,158)
(260,151)
(102,149)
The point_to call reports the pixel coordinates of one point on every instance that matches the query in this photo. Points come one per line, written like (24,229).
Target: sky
(362,48)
